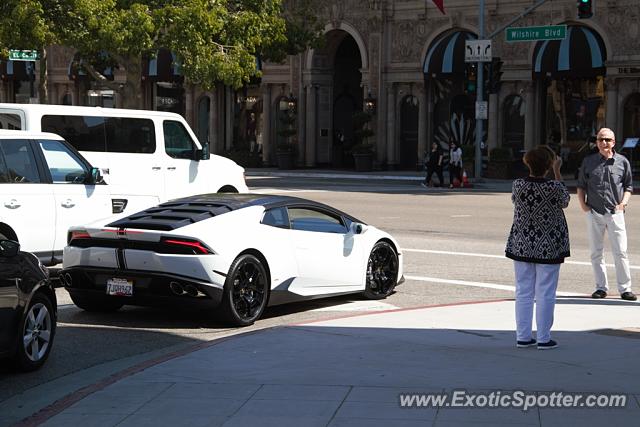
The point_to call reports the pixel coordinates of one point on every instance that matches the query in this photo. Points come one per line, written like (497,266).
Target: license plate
(120,287)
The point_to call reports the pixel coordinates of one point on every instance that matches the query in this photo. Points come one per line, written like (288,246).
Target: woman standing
(455,163)
(538,243)
(434,164)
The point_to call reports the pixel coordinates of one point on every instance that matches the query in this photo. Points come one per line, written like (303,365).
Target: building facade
(407,59)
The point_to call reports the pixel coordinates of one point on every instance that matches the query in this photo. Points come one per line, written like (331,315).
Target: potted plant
(363,151)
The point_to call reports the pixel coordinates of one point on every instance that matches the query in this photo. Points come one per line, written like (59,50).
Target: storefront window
(513,123)
(169,97)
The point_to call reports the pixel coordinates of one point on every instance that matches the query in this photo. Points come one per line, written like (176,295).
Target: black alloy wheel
(382,271)
(36,333)
(245,291)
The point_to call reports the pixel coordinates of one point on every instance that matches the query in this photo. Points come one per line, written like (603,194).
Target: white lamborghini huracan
(236,253)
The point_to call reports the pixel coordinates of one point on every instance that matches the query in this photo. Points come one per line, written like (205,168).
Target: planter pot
(286,159)
(363,162)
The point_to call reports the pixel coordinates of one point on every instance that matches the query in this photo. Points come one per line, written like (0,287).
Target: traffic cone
(465,180)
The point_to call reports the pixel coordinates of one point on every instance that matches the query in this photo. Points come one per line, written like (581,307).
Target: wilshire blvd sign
(527,34)
(23,55)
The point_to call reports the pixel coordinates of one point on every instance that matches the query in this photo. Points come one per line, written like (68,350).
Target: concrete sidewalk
(351,371)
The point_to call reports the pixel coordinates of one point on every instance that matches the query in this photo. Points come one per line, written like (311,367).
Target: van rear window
(103,134)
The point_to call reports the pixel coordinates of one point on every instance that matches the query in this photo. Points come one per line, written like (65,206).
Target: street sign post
(23,55)
(527,34)
(477,51)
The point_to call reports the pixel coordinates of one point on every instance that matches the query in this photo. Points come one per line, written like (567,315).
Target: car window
(85,133)
(177,141)
(10,121)
(314,220)
(130,135)
(276,217)
(64,165)
(4,170)
(21,162)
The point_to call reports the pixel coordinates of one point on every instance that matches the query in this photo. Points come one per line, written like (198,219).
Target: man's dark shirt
(605,181)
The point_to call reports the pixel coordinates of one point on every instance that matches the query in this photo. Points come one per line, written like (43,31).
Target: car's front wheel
(36,333)
(382,271)
(97,303)
(246,290)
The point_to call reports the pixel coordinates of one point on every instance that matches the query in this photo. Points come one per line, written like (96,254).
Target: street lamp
(370,104)
(291,103)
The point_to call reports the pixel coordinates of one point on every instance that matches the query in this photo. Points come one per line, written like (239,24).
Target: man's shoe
(599,294)
(629,296)
(551,344)
(525,344)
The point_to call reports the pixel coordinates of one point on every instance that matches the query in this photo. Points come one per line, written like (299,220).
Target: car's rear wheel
(36,333)
(245,291)
(382,271)
(96,303)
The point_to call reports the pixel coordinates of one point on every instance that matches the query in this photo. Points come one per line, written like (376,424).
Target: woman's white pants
(535,282)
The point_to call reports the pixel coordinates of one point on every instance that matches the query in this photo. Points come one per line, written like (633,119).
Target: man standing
(605,185)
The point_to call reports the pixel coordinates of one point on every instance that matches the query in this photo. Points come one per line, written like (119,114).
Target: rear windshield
(104,134)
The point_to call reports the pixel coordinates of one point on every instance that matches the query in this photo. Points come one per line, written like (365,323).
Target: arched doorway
(570,75)
(409,134)
(347,98)
(452,88)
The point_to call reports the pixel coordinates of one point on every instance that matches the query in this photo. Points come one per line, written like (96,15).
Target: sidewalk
(350,371)
(408,177)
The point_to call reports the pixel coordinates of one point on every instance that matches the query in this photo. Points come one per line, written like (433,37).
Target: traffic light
(495,75)
(470,83)
(585,9)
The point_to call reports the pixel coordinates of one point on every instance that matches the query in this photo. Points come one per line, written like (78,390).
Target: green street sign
(527,34)
(23,55)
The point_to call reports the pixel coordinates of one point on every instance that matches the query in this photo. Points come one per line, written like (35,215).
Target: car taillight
(196,246)
(77,234)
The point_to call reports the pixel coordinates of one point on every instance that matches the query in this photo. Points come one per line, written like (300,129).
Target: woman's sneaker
(551,344)
(525,344)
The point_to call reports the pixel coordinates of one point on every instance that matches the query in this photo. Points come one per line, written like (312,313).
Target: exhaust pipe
(176,288)
(191,290)
(67,279)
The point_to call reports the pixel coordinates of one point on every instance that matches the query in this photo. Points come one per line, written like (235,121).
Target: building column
(310,146)
(611,113)
(529,117)
(188,104)
(213,122)
(302,117)
(266,125)
(391,126)
(422,122)
(492,123)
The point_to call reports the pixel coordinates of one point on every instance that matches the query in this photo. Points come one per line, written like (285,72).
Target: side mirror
(203,154)
(9,248)
(357,228)
(94,177)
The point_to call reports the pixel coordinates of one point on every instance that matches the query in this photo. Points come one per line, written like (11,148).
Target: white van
(146,157)
(46,186)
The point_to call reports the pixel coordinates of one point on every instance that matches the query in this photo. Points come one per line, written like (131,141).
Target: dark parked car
(28,308)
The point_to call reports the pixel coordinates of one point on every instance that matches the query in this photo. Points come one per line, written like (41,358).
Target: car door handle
(155,168)
(67,203)
(12,204)
(171,168)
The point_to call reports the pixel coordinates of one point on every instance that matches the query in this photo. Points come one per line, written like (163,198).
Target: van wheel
(94,303)
(36,333)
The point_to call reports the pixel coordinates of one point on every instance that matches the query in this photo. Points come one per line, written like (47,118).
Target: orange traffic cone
(465,180)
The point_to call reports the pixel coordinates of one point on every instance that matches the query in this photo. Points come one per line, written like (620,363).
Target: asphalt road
(453,242)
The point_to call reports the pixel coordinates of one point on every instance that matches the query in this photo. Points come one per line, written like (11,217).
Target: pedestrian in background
(538,243)
(605,185)
(455,163)
(434,165)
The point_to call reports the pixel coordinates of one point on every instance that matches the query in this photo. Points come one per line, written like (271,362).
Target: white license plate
(120,287)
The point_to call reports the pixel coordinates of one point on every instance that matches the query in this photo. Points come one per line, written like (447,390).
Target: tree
(25,24)
(214,40)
